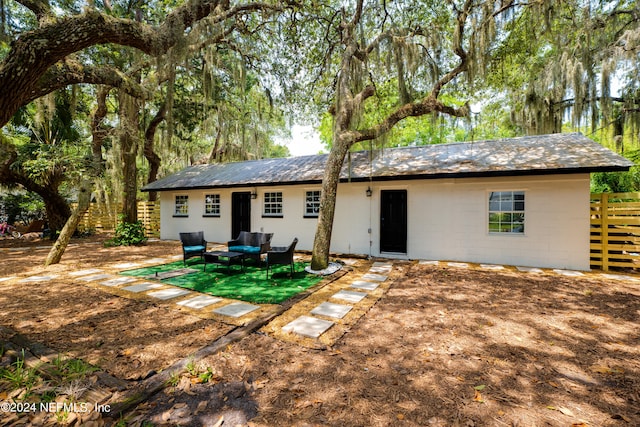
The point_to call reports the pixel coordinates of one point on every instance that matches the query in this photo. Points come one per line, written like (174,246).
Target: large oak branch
(33,53)
(426,106)
(70,72)
(40,8)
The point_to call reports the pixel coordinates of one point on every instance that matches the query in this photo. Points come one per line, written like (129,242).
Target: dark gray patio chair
(193,245)
(281,256)
(251,244)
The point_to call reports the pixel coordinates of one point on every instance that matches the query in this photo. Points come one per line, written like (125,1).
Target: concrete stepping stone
(118,281)
(367,286)
(492,266)
(236,309)
(375,277)
(85,272)
(127,265)
(308,326)
(155,261)
(95,277)
(38,279)
(381,267)
(458,264)
(200,301)
(330,309)
(350,261)
(569,273)
(425,262)
(165,294)
(349,296)
(382,264)
(533,270)
(147,286)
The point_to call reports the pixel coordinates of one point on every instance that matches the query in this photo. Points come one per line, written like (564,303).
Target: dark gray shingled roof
(530,155)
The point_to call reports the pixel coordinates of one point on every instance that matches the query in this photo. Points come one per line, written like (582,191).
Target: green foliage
(49,140)
(22,207)
(46,382)
(127,234)
(18,375)
(206,376)
(618,182)
(191,367)
(174,379)
(72,369)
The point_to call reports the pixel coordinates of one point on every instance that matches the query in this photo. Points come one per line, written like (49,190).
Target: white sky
(304,141)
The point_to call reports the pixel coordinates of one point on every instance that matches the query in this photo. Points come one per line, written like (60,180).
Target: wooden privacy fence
(101,217)
(615,230)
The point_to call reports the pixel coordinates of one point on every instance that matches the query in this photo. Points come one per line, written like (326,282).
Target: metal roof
(529,155)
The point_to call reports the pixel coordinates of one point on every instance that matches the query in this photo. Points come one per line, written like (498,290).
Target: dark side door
(393,221)
(240,212)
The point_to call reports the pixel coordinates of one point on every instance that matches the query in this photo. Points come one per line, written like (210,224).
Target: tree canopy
(140,89)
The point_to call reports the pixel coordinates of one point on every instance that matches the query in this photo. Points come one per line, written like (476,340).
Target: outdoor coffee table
(223,258)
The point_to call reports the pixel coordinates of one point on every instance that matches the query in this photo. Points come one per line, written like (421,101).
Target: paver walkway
(322,317)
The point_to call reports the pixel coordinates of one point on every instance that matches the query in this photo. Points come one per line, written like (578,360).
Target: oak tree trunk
(322,241)
(57,209)
(149,152)
(60,245)
(129,149)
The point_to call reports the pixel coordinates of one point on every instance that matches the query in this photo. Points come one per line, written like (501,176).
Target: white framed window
(272,204)
(212,205)
(506,212)
(181,207)
(312,204)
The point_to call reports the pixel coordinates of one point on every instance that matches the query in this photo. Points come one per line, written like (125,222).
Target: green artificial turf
(250,286)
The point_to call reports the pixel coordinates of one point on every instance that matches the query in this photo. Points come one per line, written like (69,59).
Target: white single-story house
(518,201)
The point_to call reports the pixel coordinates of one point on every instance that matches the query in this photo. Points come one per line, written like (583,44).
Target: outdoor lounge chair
(193,245)
(251,244)
(281,256)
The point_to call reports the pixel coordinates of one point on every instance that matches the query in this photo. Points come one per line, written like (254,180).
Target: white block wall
(447,219)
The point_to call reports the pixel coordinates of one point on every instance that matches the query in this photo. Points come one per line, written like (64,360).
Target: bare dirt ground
(444,347)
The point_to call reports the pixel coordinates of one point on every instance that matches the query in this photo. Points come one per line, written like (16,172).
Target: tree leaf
(566,411)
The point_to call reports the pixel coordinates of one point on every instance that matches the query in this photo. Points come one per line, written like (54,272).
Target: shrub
(128,234)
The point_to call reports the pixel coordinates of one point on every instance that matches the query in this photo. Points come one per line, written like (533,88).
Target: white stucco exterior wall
(447,219)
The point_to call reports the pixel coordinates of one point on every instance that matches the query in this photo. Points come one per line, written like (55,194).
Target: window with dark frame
(506,212)
(272,204)
(181,205)
(312,204)
(212,205)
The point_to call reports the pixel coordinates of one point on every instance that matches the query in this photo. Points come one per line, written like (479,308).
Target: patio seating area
(252,245)
(249,284)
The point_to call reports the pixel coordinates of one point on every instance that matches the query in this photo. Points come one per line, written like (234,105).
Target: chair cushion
(197,248)
(245,249)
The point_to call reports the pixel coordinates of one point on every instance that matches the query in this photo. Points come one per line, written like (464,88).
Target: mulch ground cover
(250,285)
(443,347)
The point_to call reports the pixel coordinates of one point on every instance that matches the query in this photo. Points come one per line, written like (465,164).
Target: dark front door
(240,213)
(393,221)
